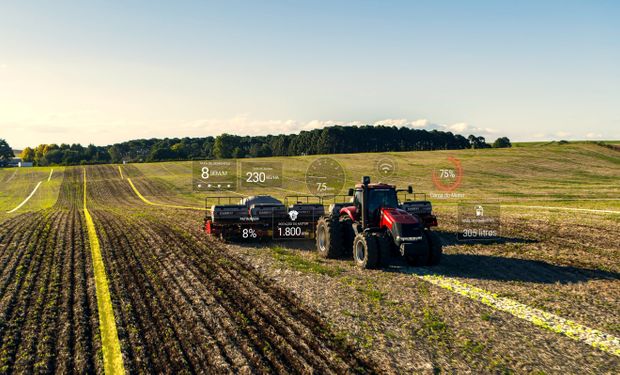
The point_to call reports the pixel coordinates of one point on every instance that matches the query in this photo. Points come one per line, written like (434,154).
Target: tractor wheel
(348,234)
(421,260)
(436,248)
(385,248)
(328,237)
(366,251)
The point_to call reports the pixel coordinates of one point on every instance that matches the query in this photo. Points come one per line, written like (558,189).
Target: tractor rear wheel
(436,248)
(348,234)
(366,251)
(329,237)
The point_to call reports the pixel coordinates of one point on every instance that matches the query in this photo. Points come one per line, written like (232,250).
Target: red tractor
(375,226)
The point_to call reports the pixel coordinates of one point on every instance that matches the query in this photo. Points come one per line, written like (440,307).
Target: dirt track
(48,312)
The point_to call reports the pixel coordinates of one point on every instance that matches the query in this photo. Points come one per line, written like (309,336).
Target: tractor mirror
(410,189)
(351,192)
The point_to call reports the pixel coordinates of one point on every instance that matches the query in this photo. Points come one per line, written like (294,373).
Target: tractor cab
(379,196)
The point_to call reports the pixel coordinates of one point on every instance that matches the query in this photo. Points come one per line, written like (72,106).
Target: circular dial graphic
(325,176)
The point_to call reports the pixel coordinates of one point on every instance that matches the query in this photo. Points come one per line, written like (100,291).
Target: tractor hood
(396,215)
(405,228)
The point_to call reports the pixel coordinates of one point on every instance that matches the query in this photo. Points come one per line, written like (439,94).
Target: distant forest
(329,140)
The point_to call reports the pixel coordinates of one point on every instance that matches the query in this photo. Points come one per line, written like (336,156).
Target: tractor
(374,227)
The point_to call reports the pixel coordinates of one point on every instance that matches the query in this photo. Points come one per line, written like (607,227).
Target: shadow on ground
(477,266)
(490,267)
(450,239)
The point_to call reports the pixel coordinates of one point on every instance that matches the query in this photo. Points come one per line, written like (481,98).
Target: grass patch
(433,325)
(486,317)
(302,264)
(372,293)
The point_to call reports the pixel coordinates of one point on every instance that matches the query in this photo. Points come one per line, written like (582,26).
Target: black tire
(386,244)
(436,248)
(366,251)
(328,237)
(348,235)
(421,260)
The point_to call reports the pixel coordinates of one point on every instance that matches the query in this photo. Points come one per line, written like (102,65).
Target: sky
(107,71)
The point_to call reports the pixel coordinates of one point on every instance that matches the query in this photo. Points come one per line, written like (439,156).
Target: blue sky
(102,72)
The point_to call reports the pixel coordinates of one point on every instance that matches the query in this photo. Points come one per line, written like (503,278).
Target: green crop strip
(160,204)
(112,357)
(598,339)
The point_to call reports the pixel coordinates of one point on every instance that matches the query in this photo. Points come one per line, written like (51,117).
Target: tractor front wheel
(436,248)
(366,251)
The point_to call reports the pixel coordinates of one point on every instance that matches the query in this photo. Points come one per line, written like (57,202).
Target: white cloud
(539,135)
(459,127)
(419,123)
(563,134)
(592,135)
(244,125)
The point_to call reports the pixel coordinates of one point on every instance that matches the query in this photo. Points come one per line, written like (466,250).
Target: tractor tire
(421,260)
(348,235)
(366,251)
(436,248)
(386,245)
(329,237)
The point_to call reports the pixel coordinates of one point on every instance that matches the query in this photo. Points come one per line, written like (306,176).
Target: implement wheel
(328,237)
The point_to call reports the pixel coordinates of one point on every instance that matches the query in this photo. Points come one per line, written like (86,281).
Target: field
(182,302)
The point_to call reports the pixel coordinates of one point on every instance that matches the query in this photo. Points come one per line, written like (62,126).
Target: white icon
(479,211)
(385,168)
(199,186)
(293,214)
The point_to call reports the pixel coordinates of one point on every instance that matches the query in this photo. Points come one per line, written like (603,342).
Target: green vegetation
(329,140)
(579,175)
(18,183)
(302,264)
(6,152)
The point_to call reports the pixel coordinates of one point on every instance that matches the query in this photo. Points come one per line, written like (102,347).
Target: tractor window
(357,198)
(378,198)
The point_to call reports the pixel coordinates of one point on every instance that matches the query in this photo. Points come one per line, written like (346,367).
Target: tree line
(328,140)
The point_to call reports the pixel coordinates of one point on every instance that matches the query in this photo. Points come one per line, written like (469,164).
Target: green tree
(115,155)
(27,154)
(502,142)
(224,146)
(180,150)
(477,142)
(6,152)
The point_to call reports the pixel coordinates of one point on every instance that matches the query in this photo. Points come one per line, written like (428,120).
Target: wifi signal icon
(386,167)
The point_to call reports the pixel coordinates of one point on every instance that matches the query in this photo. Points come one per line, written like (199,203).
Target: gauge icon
(325,177)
